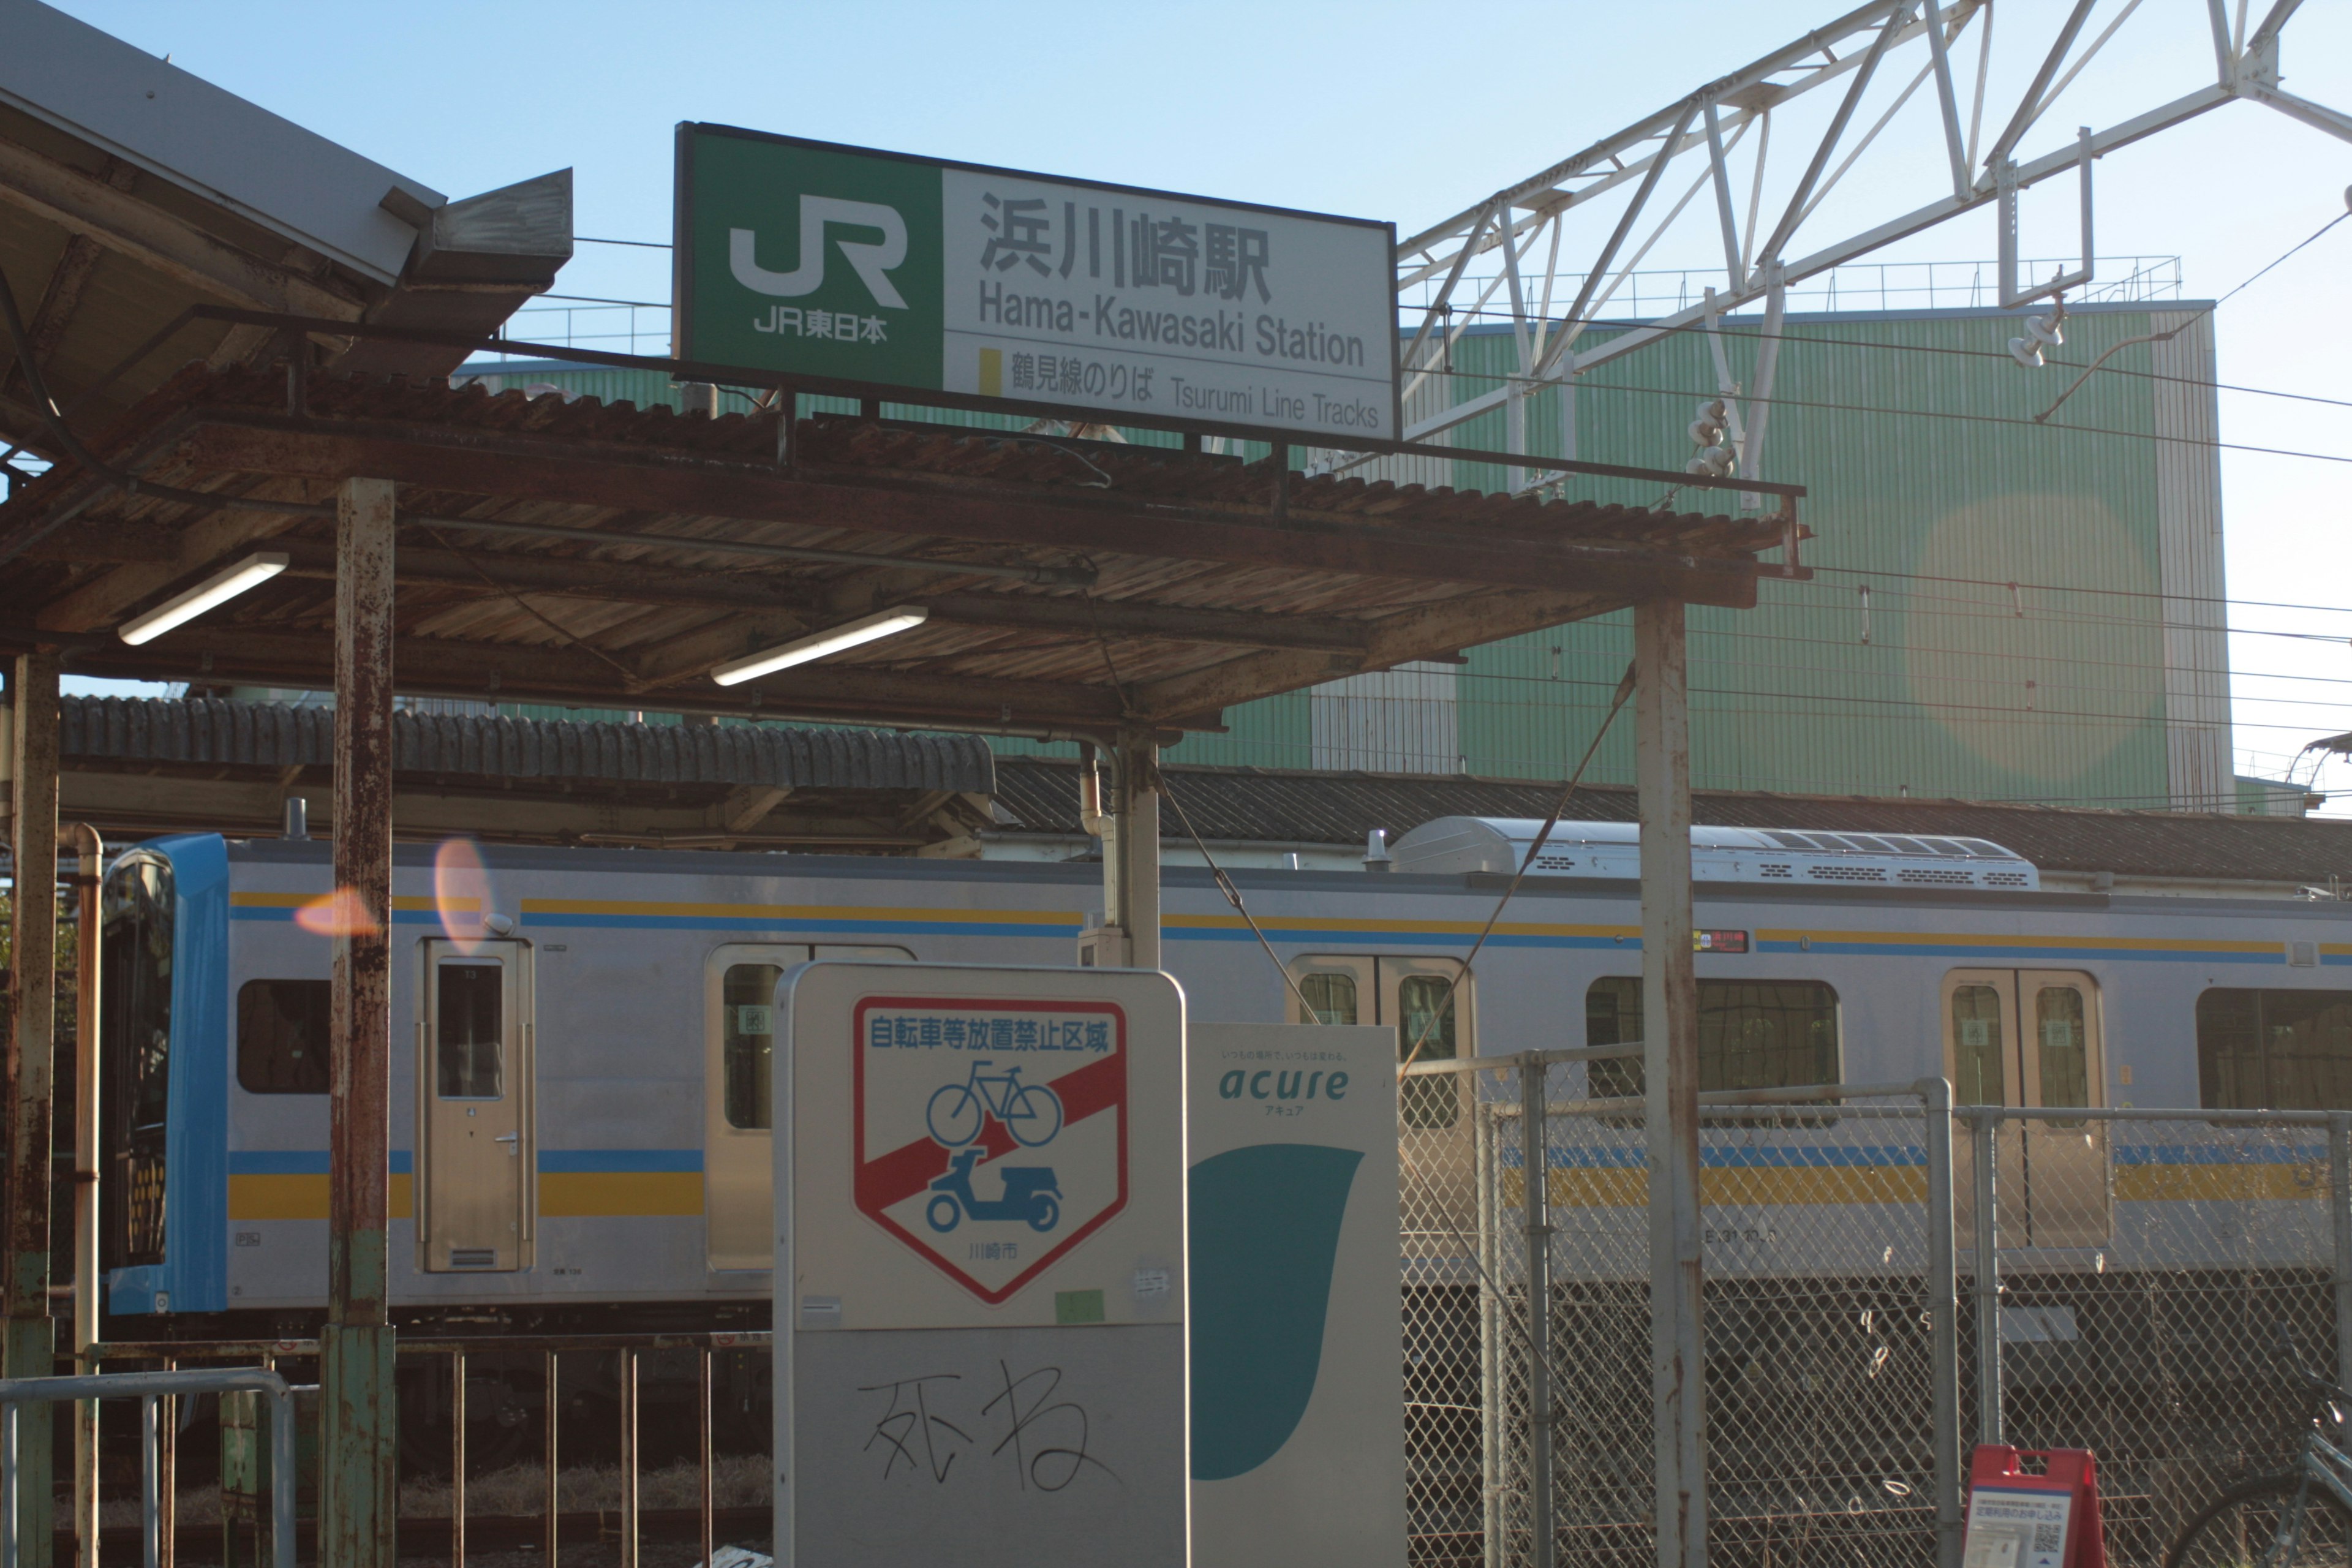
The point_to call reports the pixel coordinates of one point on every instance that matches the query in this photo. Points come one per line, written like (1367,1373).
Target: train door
(2033,1037)
(739,1153)
(1410,994)
(477,1146)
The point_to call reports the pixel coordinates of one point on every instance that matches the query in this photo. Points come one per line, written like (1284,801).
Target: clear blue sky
(1406,111)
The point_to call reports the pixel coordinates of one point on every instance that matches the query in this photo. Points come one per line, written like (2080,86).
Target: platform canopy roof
(132,189)
(592,553)
(132,767)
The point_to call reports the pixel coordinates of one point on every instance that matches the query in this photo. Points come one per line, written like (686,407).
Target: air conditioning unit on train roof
(1784,857)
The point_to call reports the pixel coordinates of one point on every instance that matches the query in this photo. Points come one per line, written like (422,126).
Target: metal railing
(153,1489)
(2124,1295)
(457,1350)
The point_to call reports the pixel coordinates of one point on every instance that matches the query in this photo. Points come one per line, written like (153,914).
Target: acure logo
(870,261)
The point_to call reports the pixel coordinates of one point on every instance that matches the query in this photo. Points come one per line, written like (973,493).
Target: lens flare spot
(461,892)
(339,913)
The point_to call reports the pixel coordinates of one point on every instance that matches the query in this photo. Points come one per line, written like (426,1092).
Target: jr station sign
(846,264)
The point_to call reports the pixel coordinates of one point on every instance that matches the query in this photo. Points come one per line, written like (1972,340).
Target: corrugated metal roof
(1248,804)
(277,735)
(1071,586)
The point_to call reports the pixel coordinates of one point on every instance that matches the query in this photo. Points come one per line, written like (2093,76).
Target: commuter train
(580,1036)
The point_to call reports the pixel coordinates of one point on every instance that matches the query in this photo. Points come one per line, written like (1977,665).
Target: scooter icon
(1031,1193)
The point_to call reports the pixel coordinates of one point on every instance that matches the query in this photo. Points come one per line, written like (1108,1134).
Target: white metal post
(1944,1309)
(1988,1280)
(1670,1060)
(2339,1209)
(1490,1328)
(1535,1194)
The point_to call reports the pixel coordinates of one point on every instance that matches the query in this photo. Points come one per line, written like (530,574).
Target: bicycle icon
(957,1112)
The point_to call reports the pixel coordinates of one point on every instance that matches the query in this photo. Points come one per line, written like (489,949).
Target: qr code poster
(992,1131)
(2012,1528)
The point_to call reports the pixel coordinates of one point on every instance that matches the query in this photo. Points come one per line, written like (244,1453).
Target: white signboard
(2015,1527)
(980,1283)
(1296,1321)
(855,267)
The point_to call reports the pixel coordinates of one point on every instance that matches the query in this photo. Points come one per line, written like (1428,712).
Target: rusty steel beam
(524,672)
(30,1348)
(357,1497)
(1430,632)
(487,572)
(1168,623)
(608,475)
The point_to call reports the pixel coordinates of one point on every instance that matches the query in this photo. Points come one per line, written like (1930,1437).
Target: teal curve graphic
(1264,1237)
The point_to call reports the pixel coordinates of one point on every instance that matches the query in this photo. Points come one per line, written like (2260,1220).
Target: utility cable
(2167,336)
(1559,808)
(1233,897)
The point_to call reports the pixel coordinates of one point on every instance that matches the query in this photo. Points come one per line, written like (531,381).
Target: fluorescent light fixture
(784,656)
(218,589)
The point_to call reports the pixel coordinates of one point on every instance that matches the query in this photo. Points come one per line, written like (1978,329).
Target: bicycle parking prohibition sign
(991,1133)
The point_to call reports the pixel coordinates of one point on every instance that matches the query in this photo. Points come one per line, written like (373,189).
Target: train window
(1768,1033)
(748,1032)
(2274,1050)
(281,1036)
(1978,1054)
(1331,998)
(1425,1020)
(471,1033)
(2065,1047)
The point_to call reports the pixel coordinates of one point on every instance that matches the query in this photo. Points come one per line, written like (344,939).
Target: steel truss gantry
(1533,242)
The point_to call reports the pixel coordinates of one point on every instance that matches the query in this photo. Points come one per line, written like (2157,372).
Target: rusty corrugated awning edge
(280,736)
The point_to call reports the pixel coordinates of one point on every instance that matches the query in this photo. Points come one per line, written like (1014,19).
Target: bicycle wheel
(1033,1115)
(2242,1528)
(954,1115)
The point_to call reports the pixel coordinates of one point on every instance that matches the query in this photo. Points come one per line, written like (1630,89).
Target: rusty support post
(1670,1064)
(89,869)
(628,1459)
(554,1505)
(1131,852)
(357,1499)
(1280,457)
(30,1348)
(456,1460)
(703,1410)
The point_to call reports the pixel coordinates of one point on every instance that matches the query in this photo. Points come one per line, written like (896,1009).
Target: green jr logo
(872,262)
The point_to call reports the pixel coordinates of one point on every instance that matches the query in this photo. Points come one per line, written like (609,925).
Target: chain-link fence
(2152,1268)
(2143,1263)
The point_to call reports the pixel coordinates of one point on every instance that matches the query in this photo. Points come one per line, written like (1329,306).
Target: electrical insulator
(2041,332)
(1707,433)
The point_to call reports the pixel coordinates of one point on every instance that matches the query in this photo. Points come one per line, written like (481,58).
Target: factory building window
(281,1036)
(2274,1050)
(1771,1034)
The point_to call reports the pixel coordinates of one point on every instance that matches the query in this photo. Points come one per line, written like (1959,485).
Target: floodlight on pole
(871,628)
(214,591)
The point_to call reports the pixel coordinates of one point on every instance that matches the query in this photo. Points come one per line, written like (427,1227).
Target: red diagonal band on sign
(904,1171)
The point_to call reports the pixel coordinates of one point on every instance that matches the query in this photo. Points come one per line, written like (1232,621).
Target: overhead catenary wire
(1444,1005)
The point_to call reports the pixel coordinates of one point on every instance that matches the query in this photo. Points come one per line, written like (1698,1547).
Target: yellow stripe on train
(573,1195)
(1622,1188)
(1797,1186)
